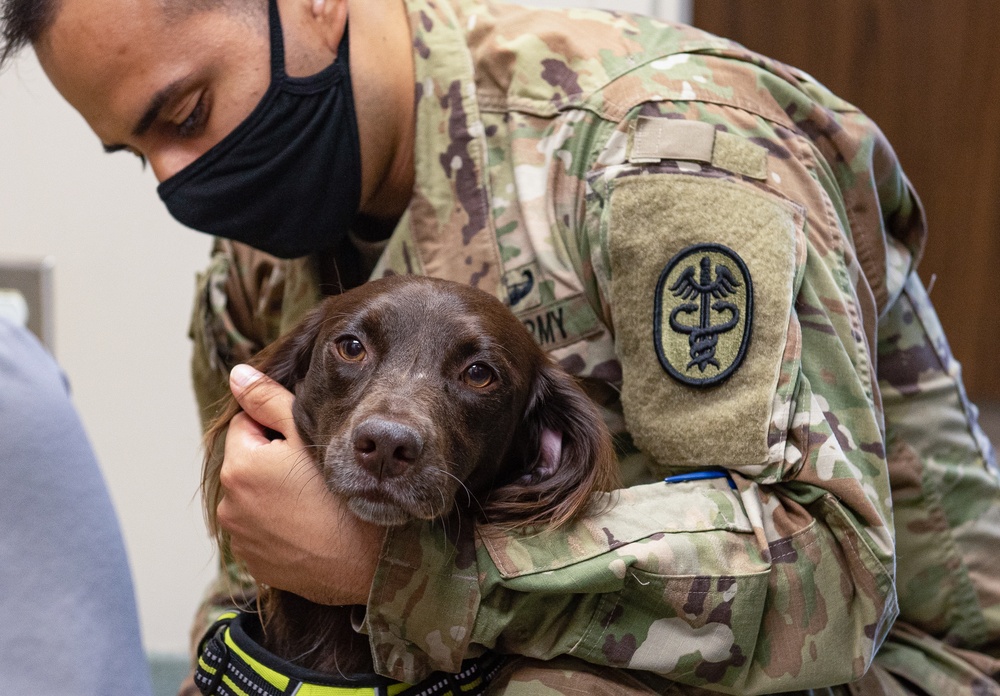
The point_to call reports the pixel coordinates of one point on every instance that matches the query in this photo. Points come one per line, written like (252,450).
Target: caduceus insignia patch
(703,314)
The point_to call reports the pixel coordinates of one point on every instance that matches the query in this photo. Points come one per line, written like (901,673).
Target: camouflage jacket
(722,252)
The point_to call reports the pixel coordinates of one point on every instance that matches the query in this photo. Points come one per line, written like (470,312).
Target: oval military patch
(703,313)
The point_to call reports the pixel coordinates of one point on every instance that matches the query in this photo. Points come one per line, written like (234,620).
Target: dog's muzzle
(231,663)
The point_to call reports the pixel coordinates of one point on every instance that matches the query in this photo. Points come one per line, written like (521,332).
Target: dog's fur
(403,426)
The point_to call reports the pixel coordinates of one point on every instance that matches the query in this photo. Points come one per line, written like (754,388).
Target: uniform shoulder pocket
(704,275)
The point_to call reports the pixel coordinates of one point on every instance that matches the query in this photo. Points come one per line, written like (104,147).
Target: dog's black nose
(385,448)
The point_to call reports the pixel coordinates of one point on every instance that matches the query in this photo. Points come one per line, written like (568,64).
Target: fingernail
(244,375)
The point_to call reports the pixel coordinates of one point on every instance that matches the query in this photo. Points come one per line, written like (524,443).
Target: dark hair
(21,23)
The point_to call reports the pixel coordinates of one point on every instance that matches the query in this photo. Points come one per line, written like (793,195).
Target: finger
(246,431)
(263,399)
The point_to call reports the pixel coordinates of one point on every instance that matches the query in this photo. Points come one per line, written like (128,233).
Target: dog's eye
(478,375)
(351,349)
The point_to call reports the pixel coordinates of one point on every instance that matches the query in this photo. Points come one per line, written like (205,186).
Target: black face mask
(288,179)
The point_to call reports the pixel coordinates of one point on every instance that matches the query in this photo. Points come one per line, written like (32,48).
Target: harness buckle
(213,647)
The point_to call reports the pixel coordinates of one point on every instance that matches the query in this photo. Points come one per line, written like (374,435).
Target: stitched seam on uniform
(959,386)
(863,353)
(583,100)
(809,162)
(563,269)
(741,105)
(873,272)
(862,348)
(578,229)
(778,432)
(494,554)
(470,102)
(754,63)
(964,605)
(865,249)
(704,593)
(594,646)
(974,615)
(707,170)
(883,579)
(620,108)
(803,439)
(808,529)
(795,552)
(382,626)
(537,570)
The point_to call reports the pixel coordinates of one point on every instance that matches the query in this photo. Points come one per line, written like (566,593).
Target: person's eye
(195,121)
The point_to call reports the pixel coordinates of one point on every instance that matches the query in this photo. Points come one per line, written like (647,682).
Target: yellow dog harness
(231,663)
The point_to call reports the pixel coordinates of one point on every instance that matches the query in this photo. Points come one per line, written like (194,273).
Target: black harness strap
(224,670)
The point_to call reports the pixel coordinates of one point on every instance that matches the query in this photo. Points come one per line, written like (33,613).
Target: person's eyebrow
(152,112)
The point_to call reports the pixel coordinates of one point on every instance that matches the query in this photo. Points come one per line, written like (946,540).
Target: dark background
(928,72)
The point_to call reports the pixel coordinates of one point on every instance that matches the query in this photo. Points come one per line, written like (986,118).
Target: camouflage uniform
(565,160)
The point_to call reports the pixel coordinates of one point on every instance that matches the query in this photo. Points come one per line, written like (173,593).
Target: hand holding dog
(282,521)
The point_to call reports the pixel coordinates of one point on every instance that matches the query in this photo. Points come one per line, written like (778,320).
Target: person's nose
(166,162)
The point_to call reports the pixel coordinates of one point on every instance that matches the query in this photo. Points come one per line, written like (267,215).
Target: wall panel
(929,74)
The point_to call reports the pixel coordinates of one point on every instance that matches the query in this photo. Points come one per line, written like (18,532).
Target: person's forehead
(108,57)
(94,46)
(115,29)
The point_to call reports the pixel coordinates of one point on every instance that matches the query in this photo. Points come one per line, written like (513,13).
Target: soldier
(722,252)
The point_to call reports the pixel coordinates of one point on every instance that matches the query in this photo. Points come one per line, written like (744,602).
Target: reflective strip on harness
(227,669)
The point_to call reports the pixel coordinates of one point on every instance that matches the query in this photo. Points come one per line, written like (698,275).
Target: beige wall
(124,274)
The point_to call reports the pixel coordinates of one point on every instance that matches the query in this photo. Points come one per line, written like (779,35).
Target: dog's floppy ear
(286,361)
(568,446)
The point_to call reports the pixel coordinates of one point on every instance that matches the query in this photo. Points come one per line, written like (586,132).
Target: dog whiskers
(470,498)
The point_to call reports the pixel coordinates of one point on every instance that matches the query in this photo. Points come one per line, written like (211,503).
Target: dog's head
(415,393)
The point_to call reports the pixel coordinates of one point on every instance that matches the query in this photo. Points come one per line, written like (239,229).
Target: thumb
(263,399)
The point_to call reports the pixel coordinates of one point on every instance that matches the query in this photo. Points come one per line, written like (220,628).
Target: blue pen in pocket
(701,476)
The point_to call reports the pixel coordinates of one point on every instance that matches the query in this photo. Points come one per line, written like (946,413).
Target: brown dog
(420,398)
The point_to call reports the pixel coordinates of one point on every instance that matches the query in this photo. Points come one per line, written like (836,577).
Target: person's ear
(330,17)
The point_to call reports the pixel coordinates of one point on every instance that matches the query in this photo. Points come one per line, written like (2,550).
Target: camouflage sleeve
(945,480)
(691,582)
(785,582)
(236,313)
